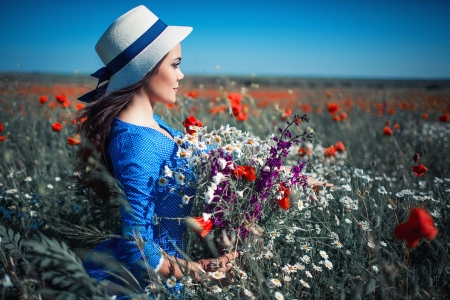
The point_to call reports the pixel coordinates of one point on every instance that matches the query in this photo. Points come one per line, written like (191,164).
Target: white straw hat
(130,47)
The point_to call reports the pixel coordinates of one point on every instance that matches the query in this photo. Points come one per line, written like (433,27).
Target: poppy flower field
(379,232)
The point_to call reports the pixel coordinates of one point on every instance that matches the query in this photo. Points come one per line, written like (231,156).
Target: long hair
(94,169)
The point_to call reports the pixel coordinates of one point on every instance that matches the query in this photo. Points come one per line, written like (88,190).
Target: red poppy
(65,104)
(286,114)
(443,118)
(2,138)
(242,116)
(245,172)
(419,225)
(169,106)
(391,111)
(235,97)
(387,131)
(284,202)
(1,127)
(419,170)
(72,141)
(397,127)
(43,99)
(343,116)
(336,118)
(191,121)
(236,108)
(201,226)
(57,126)
(424,116)
(339,146)
(333,108)
(330,151)
(61,98)
(79,106)
(193,94)
(304,151)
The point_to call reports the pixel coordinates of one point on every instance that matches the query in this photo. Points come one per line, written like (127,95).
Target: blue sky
(368,39)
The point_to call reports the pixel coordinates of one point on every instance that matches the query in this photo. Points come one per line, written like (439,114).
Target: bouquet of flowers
(243,184)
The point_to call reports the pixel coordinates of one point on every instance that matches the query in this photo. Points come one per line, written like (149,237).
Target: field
(383,144)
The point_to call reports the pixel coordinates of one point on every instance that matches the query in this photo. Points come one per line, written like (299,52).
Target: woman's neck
(139,111)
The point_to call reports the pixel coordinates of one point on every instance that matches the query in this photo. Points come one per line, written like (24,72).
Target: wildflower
(72,141)
(43,99)
(28,178)
(419,170)
(183,153)
(371,245)
(347,221)
(171,282)
(2,138)
(245,172)
(375,268)
(274,282)
(33,213)
(323,254)
(382,190)
(217,275)
(436,213)
(192,124)
(284,202)
(193,94)
(268,255)
(337,244)
(50,186)
(162,181)
(387,131)
(185,281)
(339,146)
(337,220)
(305,284)
(274,234)
(308,274)
(416,157)
(328,264)
(248,293)
(178,140)
(287,278)
(199,225)
(333,108)
(304,151)
(317,268)
(305,259)
(347,252)
(443,118)
(330,151)
(383,244)
(167,171)
(289,238)
(400,194)
(185,199)
(419,225)
(279,296)
(288,269)
(57,126)
(179,178)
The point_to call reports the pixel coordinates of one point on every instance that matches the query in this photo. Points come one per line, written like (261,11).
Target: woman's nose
(180,75)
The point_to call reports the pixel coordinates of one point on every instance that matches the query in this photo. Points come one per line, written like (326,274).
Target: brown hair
(94,169)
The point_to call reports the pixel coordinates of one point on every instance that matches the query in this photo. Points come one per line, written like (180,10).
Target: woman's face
(163,86)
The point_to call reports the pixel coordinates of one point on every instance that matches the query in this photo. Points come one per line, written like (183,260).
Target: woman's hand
(222,264)
(317,185)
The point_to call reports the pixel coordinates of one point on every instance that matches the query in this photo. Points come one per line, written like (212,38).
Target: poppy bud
(416,157)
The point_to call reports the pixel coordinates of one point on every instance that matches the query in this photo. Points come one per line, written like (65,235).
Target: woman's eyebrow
(178,58)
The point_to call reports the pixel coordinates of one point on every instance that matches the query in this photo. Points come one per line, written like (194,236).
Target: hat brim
(148,58)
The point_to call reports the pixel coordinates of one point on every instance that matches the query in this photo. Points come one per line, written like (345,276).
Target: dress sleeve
(137,165)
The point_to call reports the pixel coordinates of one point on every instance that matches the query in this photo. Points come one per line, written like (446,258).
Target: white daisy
(179,178)
(183,153)
(186,281)
(279,296)
(323,254)
(217,140)
(375,268)
(268,255)
(28,178)
(317,268)
(162,181)
(287,278)
(185,199)
(328,264)
(305,284)
(178,140)
(371,245)
(348,221)
(383,244)
(256,256)
(382,190)
(216,289)
(248,293)
(299,266)
(171,282)
(217,275)
(274,282)
(288,269)
(305,259)
(50,186)
(57,179)
(308,274)
(218,178)
(167,171)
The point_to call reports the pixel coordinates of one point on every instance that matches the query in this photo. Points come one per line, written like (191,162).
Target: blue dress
(139,156)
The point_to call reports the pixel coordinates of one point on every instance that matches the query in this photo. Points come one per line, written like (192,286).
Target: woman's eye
(176,65)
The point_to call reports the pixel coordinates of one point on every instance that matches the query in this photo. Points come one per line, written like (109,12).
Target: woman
(142,57)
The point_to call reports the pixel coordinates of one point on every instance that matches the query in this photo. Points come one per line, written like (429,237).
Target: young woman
(142,57)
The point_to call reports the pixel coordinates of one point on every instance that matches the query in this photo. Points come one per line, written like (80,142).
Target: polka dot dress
(141,157)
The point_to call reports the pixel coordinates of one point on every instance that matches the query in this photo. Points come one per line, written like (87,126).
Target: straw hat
(130,47)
